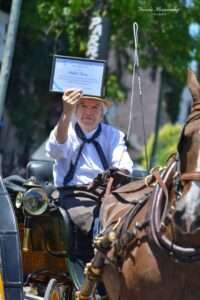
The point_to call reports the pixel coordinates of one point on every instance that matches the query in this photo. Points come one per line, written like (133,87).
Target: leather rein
(183,254)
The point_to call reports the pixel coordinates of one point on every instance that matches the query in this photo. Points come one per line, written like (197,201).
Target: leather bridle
(195,115)
(183,254)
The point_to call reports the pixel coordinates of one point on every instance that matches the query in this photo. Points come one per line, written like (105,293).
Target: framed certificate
(76,72)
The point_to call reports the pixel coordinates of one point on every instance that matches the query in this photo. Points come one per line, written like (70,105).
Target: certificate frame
(77,72)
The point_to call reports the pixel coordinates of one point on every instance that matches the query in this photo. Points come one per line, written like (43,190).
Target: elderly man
(82,147)
(86,146)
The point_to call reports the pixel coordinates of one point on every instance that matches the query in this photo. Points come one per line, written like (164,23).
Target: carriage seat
(42,170)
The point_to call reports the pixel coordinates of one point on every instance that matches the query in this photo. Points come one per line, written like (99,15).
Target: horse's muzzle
(186,223)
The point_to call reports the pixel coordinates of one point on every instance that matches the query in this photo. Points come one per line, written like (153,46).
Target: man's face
(89,113)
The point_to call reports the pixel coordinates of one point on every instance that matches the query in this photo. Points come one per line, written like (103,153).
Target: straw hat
(107,103)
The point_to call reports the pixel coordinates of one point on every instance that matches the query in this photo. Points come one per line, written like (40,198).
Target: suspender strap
(69,176)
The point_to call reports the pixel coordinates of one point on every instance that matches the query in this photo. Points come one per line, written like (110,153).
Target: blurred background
(32,31)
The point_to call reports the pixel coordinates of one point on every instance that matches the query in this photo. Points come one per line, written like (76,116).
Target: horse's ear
(193,85)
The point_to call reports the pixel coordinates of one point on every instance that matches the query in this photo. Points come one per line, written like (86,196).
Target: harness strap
(131,213)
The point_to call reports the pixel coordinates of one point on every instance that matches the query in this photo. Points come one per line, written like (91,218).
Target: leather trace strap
(69,176)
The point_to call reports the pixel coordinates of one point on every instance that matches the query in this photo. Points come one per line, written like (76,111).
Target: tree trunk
(8,51)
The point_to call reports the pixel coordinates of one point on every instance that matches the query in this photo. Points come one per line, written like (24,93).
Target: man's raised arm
(70,99)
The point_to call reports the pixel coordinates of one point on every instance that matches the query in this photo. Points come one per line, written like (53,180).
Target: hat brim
(108,103)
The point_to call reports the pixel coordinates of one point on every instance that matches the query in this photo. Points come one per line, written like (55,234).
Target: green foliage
(68,18)
(113,88)
(167,143)
(59,26)
(163,28)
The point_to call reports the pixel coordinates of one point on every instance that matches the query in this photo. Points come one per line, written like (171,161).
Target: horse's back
(116,204)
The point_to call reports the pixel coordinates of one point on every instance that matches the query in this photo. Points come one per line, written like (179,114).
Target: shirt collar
(89,134)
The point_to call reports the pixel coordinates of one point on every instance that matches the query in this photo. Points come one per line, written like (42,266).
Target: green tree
(164,38)
(167,144)
(59,26)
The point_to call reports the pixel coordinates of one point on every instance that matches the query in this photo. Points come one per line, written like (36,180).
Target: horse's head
(187,216)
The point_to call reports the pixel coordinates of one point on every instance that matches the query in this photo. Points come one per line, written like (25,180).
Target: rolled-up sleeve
(120,156)
(55,149)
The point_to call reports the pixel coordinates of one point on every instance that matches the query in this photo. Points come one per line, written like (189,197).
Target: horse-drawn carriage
(37,239)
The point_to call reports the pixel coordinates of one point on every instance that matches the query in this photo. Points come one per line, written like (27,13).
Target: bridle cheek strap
(196,106)
(192,176)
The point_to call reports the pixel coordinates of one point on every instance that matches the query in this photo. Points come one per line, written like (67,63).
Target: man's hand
(71,98)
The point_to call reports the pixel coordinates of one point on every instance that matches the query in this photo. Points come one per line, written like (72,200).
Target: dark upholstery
(41,169)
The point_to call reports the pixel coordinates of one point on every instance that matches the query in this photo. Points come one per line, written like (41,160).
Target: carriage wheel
(52,291)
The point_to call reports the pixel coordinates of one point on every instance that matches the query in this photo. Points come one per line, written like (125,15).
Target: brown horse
(155,225)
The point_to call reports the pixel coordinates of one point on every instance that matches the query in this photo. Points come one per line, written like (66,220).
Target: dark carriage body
(10,250)
(34,250)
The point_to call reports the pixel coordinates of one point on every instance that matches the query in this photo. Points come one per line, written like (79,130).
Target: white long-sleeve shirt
(89,164)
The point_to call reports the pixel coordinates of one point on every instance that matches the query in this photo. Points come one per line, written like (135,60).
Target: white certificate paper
(71,72)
